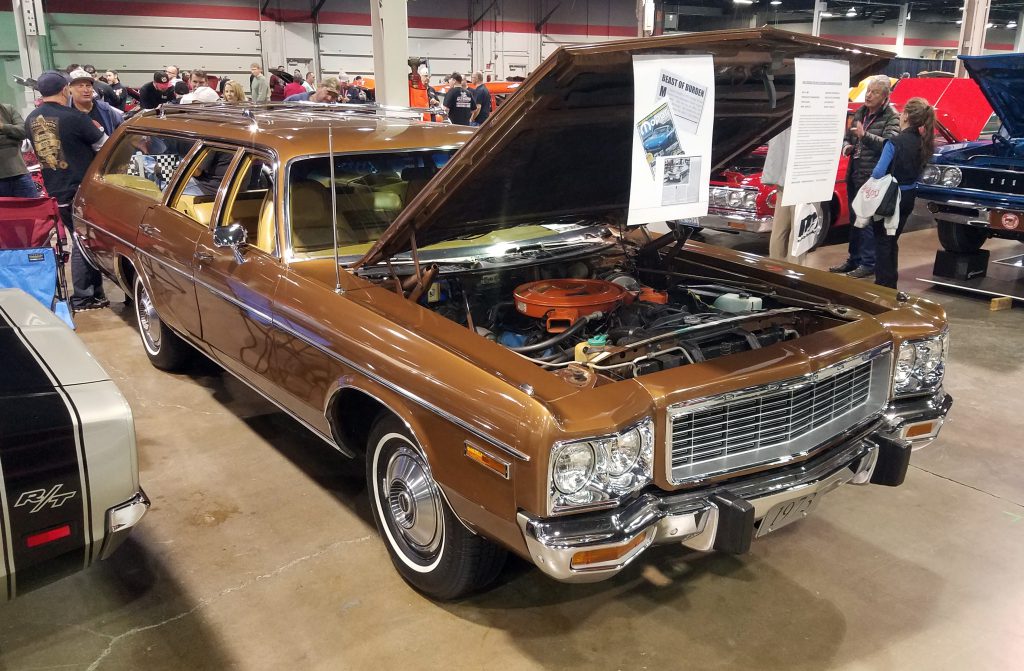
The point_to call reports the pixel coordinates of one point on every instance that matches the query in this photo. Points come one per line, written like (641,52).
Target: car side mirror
(233,236)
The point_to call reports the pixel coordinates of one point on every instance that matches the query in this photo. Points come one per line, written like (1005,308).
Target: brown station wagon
(469,312)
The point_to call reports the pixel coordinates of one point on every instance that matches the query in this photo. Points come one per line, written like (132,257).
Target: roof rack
(254,113)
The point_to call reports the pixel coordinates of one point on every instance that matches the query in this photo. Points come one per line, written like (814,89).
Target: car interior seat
(310,215)
(415,179)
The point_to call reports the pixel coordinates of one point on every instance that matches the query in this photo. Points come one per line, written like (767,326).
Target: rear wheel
(164,348)
(960,238)
(428,545)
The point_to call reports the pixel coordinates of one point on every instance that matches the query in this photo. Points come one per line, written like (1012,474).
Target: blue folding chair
(32,253)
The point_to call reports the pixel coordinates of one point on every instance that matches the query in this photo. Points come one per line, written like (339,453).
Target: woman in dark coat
(904,157)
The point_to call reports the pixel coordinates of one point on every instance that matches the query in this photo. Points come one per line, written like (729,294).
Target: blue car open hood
(1001,79)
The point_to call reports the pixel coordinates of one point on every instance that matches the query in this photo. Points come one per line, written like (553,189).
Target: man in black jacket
(65,141)
(483,98)
(874,123)
(155,93)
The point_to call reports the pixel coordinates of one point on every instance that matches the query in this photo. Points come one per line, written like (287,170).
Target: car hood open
(1001,78)
(959,104)
(560,147)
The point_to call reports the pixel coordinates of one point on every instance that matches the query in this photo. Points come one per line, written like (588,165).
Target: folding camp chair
(32,252)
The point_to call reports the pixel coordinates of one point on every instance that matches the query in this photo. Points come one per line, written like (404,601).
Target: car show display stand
(1002,278)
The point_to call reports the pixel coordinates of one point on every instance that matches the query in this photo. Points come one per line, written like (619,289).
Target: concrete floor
(259,551)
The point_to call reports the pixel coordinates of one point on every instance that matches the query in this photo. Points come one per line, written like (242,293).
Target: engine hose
(558,337)
(561,358)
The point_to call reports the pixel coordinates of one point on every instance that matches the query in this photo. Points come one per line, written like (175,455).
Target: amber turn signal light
(488,461)
(582,560)
(920,429)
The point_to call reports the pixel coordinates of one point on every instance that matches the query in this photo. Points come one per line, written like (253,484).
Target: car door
(125,205)
(235,286)
(168,234)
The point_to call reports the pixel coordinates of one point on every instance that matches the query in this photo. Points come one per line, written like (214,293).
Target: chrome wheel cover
(412,502)
(149,320)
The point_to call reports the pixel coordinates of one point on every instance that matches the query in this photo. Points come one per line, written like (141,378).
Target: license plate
(1008,220)
(786,512)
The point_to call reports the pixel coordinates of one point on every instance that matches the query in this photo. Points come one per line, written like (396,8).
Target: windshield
(370,190)
(994,125)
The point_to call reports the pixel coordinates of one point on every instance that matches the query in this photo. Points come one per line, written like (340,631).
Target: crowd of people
(175,86)
(880,142)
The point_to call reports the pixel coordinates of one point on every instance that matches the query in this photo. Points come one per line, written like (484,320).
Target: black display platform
(1005,277)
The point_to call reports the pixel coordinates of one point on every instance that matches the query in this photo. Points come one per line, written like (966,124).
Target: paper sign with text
(819,121)
(673,116)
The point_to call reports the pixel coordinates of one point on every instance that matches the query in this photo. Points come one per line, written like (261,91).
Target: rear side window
(199,184)
(145,164)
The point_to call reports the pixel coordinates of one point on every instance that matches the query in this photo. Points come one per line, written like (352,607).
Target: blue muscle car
(976,189)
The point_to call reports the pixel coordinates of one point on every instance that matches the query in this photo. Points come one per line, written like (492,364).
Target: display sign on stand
(819,120)
(673,115)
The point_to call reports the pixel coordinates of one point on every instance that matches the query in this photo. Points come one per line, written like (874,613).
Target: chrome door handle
(204,257)
(149,230)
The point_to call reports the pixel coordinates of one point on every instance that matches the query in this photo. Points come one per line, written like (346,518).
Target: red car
(740,202)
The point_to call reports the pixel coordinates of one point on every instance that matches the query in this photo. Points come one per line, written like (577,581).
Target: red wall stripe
(231,12)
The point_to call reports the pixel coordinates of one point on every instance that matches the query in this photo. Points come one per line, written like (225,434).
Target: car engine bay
(600,318)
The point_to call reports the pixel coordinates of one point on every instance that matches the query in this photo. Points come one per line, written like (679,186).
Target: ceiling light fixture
(990,25)
(775,2)
(827,15)
(743,2)
(1011,24)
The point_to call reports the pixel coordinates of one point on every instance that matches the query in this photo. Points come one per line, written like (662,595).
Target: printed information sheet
(819,120)
(673,112)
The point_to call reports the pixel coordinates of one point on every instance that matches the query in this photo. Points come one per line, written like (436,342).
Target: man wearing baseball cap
(327,92)
(202,94)
(84,100)
(155,93)
(65,142)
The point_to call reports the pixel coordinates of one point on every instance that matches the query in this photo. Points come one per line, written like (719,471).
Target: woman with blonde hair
(233,92)
(904,157)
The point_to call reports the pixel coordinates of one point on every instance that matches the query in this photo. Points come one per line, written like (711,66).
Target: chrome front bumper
(121,520)
(726,517)
(722,220)
(960,212)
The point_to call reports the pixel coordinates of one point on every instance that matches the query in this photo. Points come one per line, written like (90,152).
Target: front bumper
(726,517)
(736,220)
(121,519)
(972,213)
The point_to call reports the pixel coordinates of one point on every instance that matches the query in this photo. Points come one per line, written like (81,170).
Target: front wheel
(164,348)
(960,238)
(428,545)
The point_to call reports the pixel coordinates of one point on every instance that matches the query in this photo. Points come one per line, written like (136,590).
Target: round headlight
(573,467)
(931,175)
(622,453)
(905,364)
(951,177)
(719,197)
(735,198)
(750,200)
(929,355)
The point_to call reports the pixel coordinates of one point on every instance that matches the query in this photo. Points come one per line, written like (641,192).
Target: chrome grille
(996,181)
(777,421)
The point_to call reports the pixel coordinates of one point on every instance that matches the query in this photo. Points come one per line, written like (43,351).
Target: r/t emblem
(40,498)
